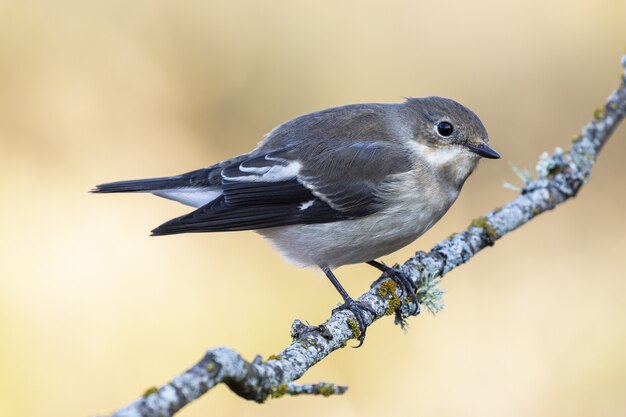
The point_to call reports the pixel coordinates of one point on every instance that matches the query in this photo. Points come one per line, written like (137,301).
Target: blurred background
(93,311)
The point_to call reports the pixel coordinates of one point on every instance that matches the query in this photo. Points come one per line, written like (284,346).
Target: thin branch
(559,177)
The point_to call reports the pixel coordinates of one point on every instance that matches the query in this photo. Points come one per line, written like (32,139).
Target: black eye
(445,129)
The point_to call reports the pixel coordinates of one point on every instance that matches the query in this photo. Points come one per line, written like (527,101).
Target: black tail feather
(147,185)
(198,178)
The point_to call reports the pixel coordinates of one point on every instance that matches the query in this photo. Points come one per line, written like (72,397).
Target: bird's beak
(483,150)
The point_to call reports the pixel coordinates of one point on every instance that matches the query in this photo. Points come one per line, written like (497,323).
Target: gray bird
(339,186)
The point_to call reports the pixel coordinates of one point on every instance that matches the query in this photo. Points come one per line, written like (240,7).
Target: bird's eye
(445,129)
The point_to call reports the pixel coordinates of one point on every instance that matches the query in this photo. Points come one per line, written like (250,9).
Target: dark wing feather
(222,216)
(262,193)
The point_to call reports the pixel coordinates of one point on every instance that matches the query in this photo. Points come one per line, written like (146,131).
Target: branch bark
(559,178)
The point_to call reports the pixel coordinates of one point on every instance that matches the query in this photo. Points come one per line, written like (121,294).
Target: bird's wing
(316,182)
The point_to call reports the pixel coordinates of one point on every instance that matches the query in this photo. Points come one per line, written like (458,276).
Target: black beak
(484,151)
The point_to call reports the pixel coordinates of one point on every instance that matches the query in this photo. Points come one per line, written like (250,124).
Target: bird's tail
(194,179)
(146,185)
(194,188)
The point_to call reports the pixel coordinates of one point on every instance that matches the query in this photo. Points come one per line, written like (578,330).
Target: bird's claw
(358,310)
(407,287)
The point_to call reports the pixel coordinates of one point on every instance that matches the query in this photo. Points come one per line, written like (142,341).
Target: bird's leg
(407,286)
(349,304)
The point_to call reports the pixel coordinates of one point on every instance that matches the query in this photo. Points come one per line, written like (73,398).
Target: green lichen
(430,294)
(394,305)
(387,291)
(483,223)
(386,288)
(279,391)
(599,113)
(327,390)
(150,391)
(613,105)
(354,326)
(274,357)
(210,367)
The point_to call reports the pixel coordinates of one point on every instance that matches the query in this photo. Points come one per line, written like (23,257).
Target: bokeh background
(93,311)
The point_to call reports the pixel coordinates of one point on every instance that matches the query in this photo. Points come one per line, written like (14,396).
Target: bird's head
(447,136)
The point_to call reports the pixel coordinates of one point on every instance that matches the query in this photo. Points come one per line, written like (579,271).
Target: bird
(340,186)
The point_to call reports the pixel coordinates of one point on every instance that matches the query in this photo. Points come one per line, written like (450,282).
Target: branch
(559,178)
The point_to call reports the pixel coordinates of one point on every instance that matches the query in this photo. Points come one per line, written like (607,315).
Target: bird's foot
(359,324)
(407,287)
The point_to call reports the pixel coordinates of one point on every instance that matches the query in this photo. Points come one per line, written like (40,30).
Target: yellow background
(93,311)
